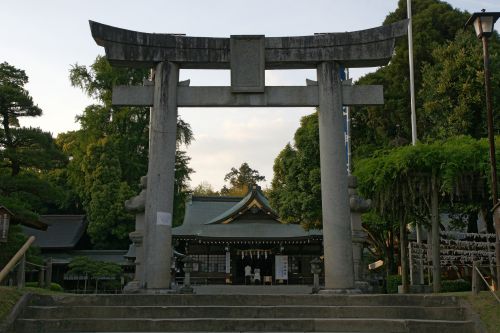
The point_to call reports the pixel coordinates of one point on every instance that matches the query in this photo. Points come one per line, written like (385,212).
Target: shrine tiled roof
(63,232)
(254,198)
(225,218)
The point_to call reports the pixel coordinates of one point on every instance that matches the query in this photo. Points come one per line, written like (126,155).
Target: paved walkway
(221,289)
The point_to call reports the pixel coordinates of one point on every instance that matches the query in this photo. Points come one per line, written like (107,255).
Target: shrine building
(226,234)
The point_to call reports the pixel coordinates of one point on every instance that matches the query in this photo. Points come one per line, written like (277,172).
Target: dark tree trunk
(472,222)
(391,267)
(403,250)
(9,144)
(436,261)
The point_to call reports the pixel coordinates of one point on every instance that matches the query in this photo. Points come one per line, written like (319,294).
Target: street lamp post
(483,23)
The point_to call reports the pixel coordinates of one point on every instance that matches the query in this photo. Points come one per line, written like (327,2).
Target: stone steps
(241,324)
(293,311)
(246,300)
(244,313)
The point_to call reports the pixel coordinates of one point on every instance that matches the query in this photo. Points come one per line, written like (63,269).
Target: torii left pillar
(161,175)
(337,237)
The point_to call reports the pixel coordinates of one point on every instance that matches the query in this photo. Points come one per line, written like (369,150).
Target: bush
(32,284)
(393,281)
(455,285)
(53,286)
(56,287)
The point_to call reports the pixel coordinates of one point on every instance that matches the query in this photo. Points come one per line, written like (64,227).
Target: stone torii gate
(247,56)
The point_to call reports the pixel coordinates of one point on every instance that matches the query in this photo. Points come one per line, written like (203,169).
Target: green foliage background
(449,81)
(109,154)
(29,158)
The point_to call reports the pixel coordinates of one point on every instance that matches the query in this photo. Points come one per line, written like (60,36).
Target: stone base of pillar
(364,286)
(159,291)
(417,289)
(186,290)
(133,287)
(350,291)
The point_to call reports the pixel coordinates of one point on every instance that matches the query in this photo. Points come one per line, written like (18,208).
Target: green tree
(205,189)
(409,184)
(452,94)
(15,102)
(27,195)
(181,185)
(241,180)
(434,24)
(27,155)
(109,153)
(94,269)
(107,192)
(296,187)
(382,236)
(21,147)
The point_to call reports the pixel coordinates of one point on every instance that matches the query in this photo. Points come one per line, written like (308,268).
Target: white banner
(281,267)
(228,262)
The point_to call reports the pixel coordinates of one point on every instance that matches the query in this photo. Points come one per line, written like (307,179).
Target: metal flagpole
(348,132)
(412,77)
(414,122)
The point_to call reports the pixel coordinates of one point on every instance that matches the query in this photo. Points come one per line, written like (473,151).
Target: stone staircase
(244,313)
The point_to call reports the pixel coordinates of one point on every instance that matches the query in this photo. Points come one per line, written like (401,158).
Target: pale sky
(45,38)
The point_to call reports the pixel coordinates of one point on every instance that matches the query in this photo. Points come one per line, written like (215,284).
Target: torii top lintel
(364,48)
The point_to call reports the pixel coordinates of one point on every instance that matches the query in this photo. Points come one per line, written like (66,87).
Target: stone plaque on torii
(247,56)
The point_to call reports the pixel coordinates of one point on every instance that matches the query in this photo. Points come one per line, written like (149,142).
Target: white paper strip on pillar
(164,218)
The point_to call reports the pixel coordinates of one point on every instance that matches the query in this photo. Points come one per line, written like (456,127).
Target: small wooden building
(65,239)
(226,234)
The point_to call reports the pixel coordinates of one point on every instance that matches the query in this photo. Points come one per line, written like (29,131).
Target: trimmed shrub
(56,287)
(455,285)
(393,281)
(53,286)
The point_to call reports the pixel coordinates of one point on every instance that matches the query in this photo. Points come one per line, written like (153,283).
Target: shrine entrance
(261,265)
(247,56)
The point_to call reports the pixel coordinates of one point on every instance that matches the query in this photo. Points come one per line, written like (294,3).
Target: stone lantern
(359,237)
(188,262)
(136,205)
(316,270)
(5,216)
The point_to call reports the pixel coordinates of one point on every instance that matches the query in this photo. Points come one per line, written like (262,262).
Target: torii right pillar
(337,237)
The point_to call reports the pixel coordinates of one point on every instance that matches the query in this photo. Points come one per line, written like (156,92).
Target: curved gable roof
(210,217)
(254,198)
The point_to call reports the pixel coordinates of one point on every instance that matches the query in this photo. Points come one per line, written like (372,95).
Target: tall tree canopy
(296,186)
(241,180)
(449,83)
(452,94)
(410,184)
(399,180)
(28,156)
(434,24)
(205,189)
(110,152)
(22,147)
(450,102)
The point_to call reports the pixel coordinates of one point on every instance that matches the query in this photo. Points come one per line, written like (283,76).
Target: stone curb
(473,316)
(8,325)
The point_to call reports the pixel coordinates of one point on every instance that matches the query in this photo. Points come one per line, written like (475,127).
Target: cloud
(234,136)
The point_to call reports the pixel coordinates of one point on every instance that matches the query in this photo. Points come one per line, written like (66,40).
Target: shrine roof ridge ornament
(363,48)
